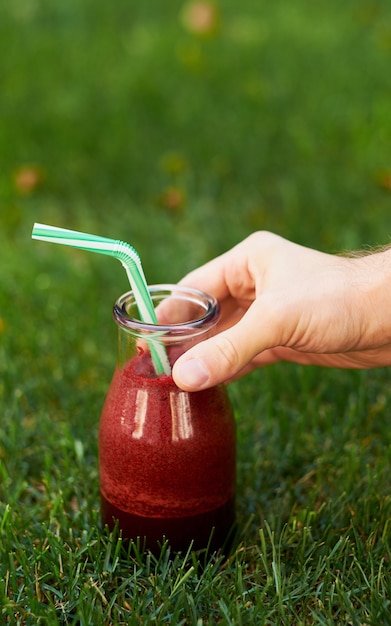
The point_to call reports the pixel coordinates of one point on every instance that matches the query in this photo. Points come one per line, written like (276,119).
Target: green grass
(280,121)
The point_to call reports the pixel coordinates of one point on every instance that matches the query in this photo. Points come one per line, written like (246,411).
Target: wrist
(374,296)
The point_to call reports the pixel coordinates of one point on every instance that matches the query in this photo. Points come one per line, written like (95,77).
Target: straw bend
(125,252)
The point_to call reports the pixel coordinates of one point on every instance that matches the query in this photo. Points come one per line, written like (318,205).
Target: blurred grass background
(182,131)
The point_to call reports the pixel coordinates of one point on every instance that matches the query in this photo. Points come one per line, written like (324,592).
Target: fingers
(229,274)
(224,355)
(209,278)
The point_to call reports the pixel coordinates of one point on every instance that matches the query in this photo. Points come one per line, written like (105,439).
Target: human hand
(282,301)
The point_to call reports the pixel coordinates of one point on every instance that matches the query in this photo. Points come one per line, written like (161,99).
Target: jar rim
(208,303)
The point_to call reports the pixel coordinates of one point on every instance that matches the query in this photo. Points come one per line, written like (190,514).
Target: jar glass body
(166,456)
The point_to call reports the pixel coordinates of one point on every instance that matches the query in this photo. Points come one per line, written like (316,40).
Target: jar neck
(185,317)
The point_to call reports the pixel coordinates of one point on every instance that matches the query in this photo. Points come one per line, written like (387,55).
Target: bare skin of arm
(284,302)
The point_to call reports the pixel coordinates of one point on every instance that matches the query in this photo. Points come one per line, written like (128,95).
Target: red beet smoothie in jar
(167,460)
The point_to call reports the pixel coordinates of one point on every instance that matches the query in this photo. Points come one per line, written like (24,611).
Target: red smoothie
(166,460)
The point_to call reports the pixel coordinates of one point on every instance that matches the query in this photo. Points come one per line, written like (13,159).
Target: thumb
(221,357)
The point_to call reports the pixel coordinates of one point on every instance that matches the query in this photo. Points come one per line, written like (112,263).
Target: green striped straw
(132,264)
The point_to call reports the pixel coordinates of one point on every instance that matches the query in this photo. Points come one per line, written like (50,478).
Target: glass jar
(166,456)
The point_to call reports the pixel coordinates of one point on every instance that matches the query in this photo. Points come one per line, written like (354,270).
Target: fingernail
(192,373)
